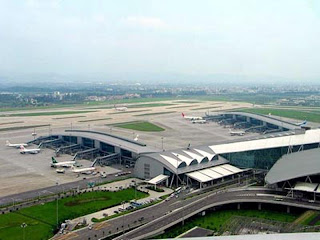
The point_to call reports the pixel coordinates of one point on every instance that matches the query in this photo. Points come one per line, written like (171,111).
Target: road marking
(99,226)
(67,236)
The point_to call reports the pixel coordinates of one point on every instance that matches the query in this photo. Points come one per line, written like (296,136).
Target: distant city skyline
(175,39)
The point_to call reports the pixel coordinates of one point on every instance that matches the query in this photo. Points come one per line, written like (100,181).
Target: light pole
(123,202)
(162,143)
(57,183)
(23,226)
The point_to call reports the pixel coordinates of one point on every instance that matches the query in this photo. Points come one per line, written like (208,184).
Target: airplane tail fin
(54,160)
(7,143)
(182,115)
(22,148)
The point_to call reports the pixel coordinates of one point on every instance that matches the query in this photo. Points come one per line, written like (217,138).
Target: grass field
(157,113)
(69,117)
(23,127)
(93,120)
(182,106)
(204,108)
(140,126)
(135,111)
(295,114)
(7,123)
(44,113)
(41,219)
(147,105)
(216,220)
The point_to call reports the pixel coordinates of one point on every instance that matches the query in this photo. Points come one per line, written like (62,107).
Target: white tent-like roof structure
(158,179)
(213,173)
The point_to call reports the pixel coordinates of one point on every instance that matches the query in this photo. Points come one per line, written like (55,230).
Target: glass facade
(87,142)
(106,147)
(70,139)
(264,158)
(126,153)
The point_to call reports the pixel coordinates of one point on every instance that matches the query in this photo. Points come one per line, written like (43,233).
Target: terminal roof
(124,143)
(295,165)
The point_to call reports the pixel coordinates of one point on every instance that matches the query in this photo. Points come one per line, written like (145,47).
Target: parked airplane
(16,145)
(83,170)
(65,164)
(201,121)
(136,138)
(120,108)
(236,133)
(301,124)
(24,150)
(191,118)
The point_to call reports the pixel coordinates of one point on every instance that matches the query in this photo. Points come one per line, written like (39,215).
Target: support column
(288,209)
(259,206)
(238,206)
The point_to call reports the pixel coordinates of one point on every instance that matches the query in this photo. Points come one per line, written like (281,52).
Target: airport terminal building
(208,164)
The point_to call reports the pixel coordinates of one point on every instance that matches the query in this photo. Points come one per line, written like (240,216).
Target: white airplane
(301,124)
(236,133)
(191,118)
(136,138)
(83,170)
(65,164)
(201,121)
(24,150)
(16,145)
(122,109)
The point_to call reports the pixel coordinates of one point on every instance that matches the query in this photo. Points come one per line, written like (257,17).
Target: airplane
(136,138)
(66,164)
(83,170)
(236,133)
(191,117)
(24,150)
(301,124)
(201,121)
(122,109)
(16,145)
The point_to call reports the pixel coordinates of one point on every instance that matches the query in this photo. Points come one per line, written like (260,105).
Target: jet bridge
(104,160)
(49,142)
(86,152)
(67,149)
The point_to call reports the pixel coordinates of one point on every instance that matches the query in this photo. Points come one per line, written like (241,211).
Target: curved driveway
(156,218)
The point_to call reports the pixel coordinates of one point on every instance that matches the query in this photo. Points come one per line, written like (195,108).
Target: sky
(244,37)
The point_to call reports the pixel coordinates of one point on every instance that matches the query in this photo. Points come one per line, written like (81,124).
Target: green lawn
(22,127)
(140,126)
(135,111)
(157,113)
(97,119)
(300,115)
(150,105)
(216,220)
(44,113)
(41,219)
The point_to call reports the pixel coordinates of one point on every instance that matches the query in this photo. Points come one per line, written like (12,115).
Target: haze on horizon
(111,38)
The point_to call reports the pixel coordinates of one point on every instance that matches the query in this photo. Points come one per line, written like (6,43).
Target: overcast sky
(254,38)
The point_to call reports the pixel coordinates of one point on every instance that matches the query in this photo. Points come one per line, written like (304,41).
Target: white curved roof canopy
(206,154)
(185,159)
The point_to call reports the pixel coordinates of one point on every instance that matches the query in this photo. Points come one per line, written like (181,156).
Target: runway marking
(99,226)
(67,236)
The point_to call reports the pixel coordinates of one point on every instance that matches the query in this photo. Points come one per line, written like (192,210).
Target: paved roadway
(157,218)
(34,194)
(212,200)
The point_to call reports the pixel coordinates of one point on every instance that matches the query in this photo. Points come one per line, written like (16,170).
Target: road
(56,189)
(159,217)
